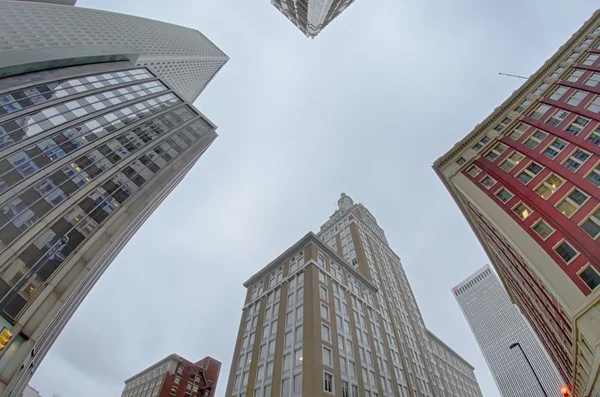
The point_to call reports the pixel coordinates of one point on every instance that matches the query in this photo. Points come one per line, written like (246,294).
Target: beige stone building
(335,315)
(527,180)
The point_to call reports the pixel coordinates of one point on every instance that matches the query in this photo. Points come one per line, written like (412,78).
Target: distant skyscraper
(527,180)
(335,314)
(96,129)
(497,324)
(311,16)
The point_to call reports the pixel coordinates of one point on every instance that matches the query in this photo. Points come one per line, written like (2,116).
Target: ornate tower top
(345,202)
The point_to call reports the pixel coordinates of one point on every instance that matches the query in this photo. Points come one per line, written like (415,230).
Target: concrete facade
(89,147)
(175,376)
(311,16)
(497,324)
(525,179)
(334,314)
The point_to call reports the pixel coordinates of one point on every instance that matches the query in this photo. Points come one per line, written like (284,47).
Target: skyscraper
(497,324)
(527,179)
(174,376)
(311,16)
(335,314)
(96,129)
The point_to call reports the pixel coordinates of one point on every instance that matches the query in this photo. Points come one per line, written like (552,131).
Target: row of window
(83,218)
(21,212)
(15,101)
(24,163)
(28,125)
(567,205)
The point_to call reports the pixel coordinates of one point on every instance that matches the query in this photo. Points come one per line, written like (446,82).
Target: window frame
(530,173)
(521,203)
(595,76)
(536,223)
(546,184)
(564,241)
(583,269)
(490,178)
(508,159)
(532,137)
(591,217)
(556,149)
(331,385)
(575,159)
(506,190)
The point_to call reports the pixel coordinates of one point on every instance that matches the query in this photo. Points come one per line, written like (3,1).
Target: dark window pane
(99,215)
(12,178)
(566,251)
(61,227)
(29,196)
(138,180)
(590,277)
(69,187)
(58,178)
(47,269)
(41,208)
(93,171)
(9,233)
(31,255)
(87,205)
(75,239)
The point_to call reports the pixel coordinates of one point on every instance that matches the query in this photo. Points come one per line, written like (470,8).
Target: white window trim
(503,188)
(488,187)
(583,269)
(588,217)
(529,172)
(571,245)
(544,183)
(549,146)
(508,159)
(573,203)
(332,392)
(537,223)
(473,167)
(524,205)
(581,163)
(533,138)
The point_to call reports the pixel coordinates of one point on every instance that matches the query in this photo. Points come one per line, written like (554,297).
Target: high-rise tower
(527,180)
(96,129)
(311,16)
(335,314)
(497,324)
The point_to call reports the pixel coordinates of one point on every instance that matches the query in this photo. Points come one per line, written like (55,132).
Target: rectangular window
(504,195)
(565,251)
(285,387)
(590,59)
(594,105)
(496,151)
(345,389)
(576,98)
(539,111)
(590,276)
(298,333)
(541,88)
(594,137)
(474,171)
(592,225)
(586,43)
(323,293)
(328,382)
(577,125)
(325,312)
(572,202)
(593,80)
(488,182)
(518,131)
(558,92)
(527,102)
(529,173)
(577,158)
(461,160)
(327,357)
(511,161)
(534,140)
(543,229)
(481,143)
(325,333)
(555,148)
(550,185)
(557,118)
(502,124)
(575,75)
(572,57)
(522,211)
(297,357)
(298,384)
(594,176)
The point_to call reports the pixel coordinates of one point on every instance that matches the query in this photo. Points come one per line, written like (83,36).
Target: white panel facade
(183,57)
(497,324)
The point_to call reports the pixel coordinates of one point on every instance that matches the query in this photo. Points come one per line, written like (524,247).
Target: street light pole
(517,344)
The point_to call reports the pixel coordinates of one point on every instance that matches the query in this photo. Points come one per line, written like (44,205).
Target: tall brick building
(527,179)
(335,314)
(174,376)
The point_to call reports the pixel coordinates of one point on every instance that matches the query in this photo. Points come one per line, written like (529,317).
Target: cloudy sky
(365,108)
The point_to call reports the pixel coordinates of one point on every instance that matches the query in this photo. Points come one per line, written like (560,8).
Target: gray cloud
(364,108)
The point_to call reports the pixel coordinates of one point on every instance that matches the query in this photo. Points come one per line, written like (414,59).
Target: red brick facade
(188,375)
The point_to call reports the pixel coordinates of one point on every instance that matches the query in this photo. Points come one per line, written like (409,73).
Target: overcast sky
(365,108)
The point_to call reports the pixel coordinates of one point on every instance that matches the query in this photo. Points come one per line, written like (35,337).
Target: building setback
(497,324)
(335,314)
(96,129)
(527,180)
(175,376)
(311,16)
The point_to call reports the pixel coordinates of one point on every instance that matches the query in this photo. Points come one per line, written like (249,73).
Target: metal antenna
(512,75)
